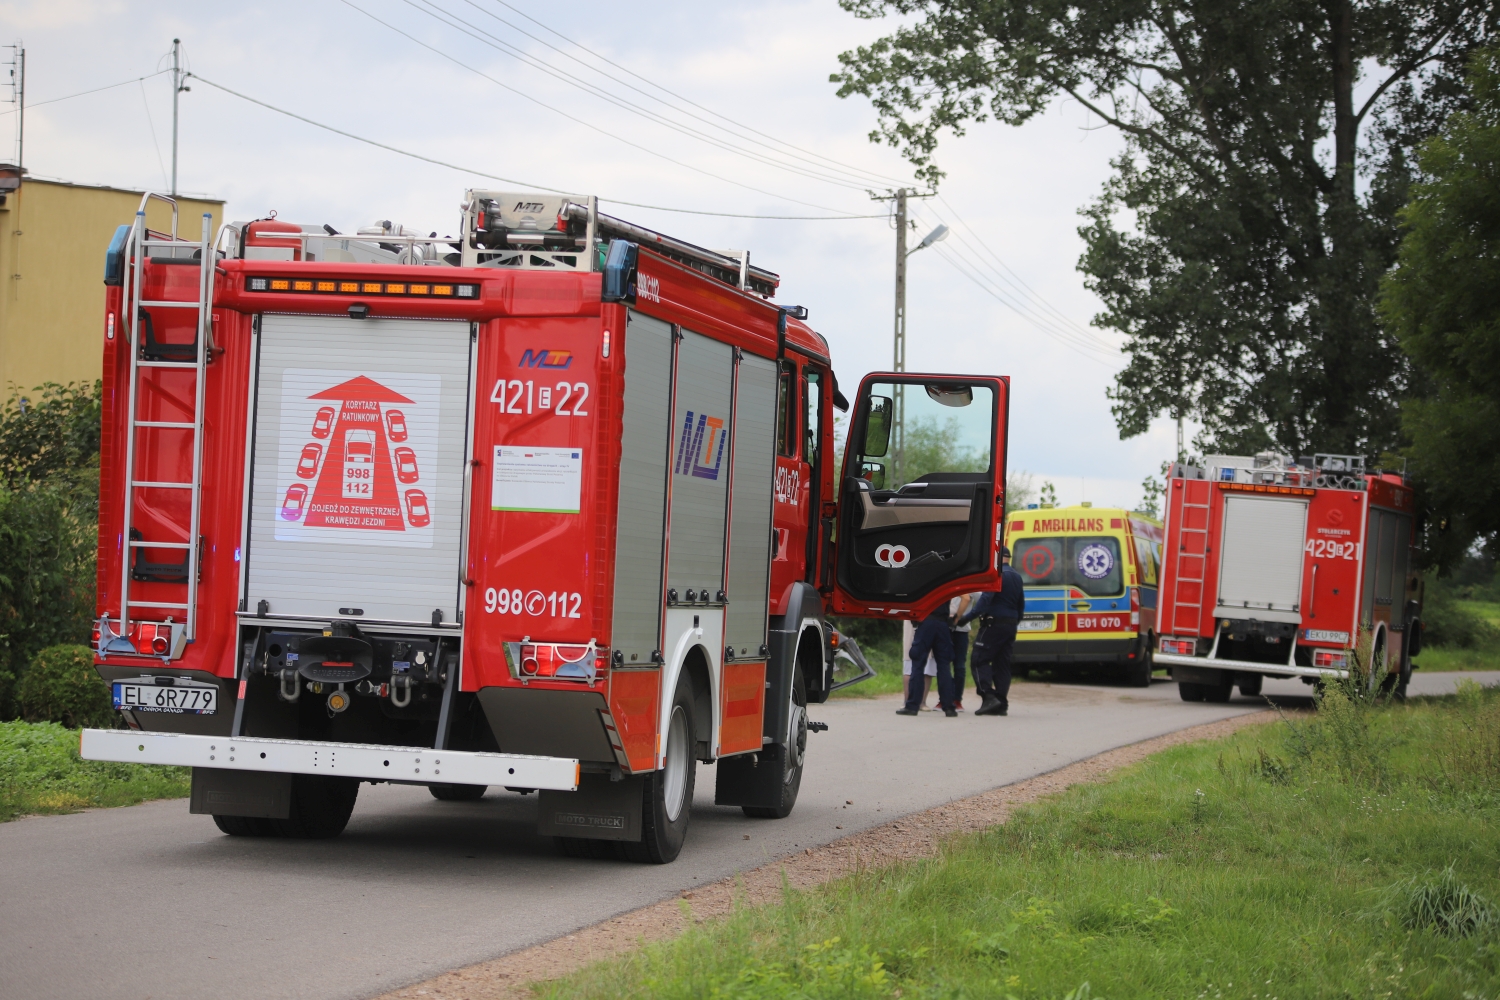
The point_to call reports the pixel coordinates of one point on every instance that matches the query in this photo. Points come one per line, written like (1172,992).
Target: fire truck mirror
(878,427)
(873,473)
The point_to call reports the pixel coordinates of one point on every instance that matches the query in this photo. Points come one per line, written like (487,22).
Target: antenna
(17,66)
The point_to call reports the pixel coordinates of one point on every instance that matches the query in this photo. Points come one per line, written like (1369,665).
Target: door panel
(701,428)
(924,474)
(750,510)
(360,448)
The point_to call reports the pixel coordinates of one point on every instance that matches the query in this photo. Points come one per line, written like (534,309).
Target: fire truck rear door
(1260,558)
(920,511)
(356,500)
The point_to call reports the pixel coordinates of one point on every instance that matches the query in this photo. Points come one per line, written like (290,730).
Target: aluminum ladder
(184,628)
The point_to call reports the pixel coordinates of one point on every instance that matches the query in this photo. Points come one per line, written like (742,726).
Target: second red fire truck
(549,505)
(1280,568)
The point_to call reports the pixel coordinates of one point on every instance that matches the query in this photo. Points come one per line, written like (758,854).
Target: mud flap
(600,810)
(751,779)
(261,794)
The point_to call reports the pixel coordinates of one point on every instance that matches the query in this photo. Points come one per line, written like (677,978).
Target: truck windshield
(1091,564)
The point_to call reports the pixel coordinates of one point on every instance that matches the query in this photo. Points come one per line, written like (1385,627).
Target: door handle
(1081,605)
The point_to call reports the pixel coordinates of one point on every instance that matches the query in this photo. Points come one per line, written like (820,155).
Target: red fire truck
(1275,568)
(549,505)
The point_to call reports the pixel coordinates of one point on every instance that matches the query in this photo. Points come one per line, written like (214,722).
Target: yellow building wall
(52,242)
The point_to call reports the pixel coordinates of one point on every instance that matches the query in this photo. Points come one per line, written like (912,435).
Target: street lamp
(899,347)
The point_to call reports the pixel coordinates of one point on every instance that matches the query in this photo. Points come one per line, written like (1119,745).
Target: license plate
(1035,625)
(1323,635)
(160,698)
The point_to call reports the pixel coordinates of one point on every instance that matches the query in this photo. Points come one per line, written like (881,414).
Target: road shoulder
(916,835)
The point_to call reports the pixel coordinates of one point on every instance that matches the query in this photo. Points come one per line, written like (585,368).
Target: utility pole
(18,83)
(898,362)
(177,88)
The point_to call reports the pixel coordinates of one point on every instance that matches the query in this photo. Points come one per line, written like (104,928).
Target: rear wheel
(1250,684)
(1138,671)
(1218,693)
(1190,692)
(669,792)
(245,826)
(458,793)
(321,807)
(790,755)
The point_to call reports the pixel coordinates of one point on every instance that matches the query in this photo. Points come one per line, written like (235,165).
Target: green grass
(1348,856)
(41,772)
(1438,658)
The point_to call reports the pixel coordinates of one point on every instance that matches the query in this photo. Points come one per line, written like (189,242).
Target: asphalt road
(152,902)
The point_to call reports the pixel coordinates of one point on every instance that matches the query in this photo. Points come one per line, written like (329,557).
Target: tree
(1267,151)
(1443,303)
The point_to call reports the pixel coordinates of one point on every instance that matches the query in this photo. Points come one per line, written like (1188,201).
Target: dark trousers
(933,636)
(992,652)
(960,657)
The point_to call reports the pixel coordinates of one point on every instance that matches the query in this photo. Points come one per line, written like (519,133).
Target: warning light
(468,291)
(302,286)
(371,288)
(395,289)
(257,284)
(442,289)
(349,286)
(339,286)
(326,286)
(419,289)
(280,284)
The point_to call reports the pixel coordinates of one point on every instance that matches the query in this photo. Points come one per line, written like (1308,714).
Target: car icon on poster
(296,498)
(395,423)
(406,465)
(307,465)
(416,509)
(359,446)
(323,422)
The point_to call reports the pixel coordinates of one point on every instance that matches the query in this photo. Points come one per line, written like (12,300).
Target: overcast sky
(1011,197)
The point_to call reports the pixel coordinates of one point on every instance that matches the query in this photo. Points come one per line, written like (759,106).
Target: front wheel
(669,792)
(790,756)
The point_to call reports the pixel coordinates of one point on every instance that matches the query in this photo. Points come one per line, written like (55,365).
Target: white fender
(700,637)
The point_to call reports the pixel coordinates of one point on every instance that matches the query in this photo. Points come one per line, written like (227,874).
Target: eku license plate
(159,698)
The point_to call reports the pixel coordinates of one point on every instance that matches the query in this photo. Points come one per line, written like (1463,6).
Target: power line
(471,30)
(510,180)
(878,177)
(85,93)
(621,139)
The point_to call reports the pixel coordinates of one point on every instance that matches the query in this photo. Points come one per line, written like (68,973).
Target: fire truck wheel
(1219,693)
(1250,684)
(791,756)
(1190,692)
(458,793)
(321,807)
(245,826)
(669,792)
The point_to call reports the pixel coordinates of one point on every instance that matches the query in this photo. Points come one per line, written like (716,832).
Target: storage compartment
(1261,557)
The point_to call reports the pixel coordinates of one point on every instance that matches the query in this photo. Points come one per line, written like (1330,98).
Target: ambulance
(1091,579)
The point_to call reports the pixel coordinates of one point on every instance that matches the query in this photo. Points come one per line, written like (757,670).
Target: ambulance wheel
(245,826)
(321,807)
(457,793)
(791,756)
(1190,692)
(669,792)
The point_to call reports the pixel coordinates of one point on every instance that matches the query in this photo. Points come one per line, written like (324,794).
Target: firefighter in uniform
(999,612)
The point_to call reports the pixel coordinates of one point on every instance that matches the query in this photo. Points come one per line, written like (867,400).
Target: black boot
(991,706)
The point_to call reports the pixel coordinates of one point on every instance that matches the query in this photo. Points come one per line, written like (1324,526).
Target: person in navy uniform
(933,636)
(999,613)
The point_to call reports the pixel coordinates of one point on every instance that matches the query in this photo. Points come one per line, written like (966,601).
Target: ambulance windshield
(913,430)
(1090,564)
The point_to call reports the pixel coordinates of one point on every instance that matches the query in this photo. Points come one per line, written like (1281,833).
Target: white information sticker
(541,480)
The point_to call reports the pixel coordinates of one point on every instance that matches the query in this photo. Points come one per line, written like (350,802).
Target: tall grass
(1349,855)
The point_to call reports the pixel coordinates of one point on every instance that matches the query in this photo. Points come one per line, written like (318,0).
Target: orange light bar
(1296,491)
(261,283)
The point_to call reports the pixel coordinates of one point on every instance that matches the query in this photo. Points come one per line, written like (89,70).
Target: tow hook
(290,689)
(400,683)
(817,727)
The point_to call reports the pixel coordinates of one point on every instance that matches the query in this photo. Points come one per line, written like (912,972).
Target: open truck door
(922,497)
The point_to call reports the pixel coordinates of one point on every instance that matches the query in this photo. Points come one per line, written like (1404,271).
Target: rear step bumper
(1247,667)
(414,765)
